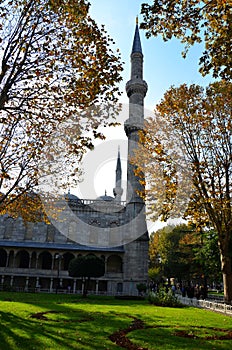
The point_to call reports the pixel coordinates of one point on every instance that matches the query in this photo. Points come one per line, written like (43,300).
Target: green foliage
(86,266)
(169,255)
(56,64)
(195,21)
(199,120)
(164,298)
(154,273)
(207,255)
(141,287)
(184,253)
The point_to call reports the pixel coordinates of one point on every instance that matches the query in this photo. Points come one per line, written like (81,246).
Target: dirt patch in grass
(227,334)
(42,316)
(120,337)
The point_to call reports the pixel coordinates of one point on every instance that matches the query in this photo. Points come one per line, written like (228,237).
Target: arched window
(45,261)
(114,264)
(11,259)
(33,260)
(3,258)
(22,259)
(67,258)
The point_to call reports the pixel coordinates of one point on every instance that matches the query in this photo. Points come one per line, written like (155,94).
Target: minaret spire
(118,181)
(119,168)
(136,89)
(136,47)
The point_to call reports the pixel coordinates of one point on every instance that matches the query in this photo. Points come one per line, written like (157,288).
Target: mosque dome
(70,196)
(106,198)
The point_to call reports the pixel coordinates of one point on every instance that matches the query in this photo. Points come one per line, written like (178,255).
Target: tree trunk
(225,243)
(86,285)
(227,281)
(227,277)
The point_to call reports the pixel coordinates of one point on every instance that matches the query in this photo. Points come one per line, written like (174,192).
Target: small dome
(70,196)
(106,198)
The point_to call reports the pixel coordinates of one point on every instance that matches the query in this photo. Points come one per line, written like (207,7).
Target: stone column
(37,282)
(11,280)
(2,280)
(53,260)
(36,261)
(13,262)
(30,255)
(74,285)
(26,285)
(51,284)
(97,286)
(7,259)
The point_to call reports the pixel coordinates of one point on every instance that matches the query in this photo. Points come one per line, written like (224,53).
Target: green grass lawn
(45,321)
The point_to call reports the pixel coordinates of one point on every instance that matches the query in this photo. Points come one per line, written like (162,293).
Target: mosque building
(34,256)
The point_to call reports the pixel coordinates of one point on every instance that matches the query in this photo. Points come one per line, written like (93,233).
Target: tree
(56,65)
(207,255)
(86,267)
(201,121)
(174,258)
(155,274)
(186,254)
(195,21)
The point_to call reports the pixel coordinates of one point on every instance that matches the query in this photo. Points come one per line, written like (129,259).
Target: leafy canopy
(86,266)
(56,65)
(191,153)
(185,253)
(189,146)
(195,21)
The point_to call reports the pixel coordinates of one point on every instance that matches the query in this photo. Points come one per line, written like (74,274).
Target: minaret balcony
(135,125)
(136,86)
(118,191)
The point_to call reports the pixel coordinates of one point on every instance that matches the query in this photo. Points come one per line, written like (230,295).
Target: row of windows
(45,260)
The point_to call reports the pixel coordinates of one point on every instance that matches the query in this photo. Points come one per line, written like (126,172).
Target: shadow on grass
(165,337)
(70,322)
(61,327)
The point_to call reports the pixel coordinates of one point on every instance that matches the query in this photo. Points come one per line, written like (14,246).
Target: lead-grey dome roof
(106,198)
(71,196)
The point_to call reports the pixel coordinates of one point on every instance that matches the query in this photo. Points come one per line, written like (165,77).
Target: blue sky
(163,63)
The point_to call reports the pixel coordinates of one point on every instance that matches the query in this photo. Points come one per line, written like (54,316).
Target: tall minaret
(136,89)
(118,181)
(135,264)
